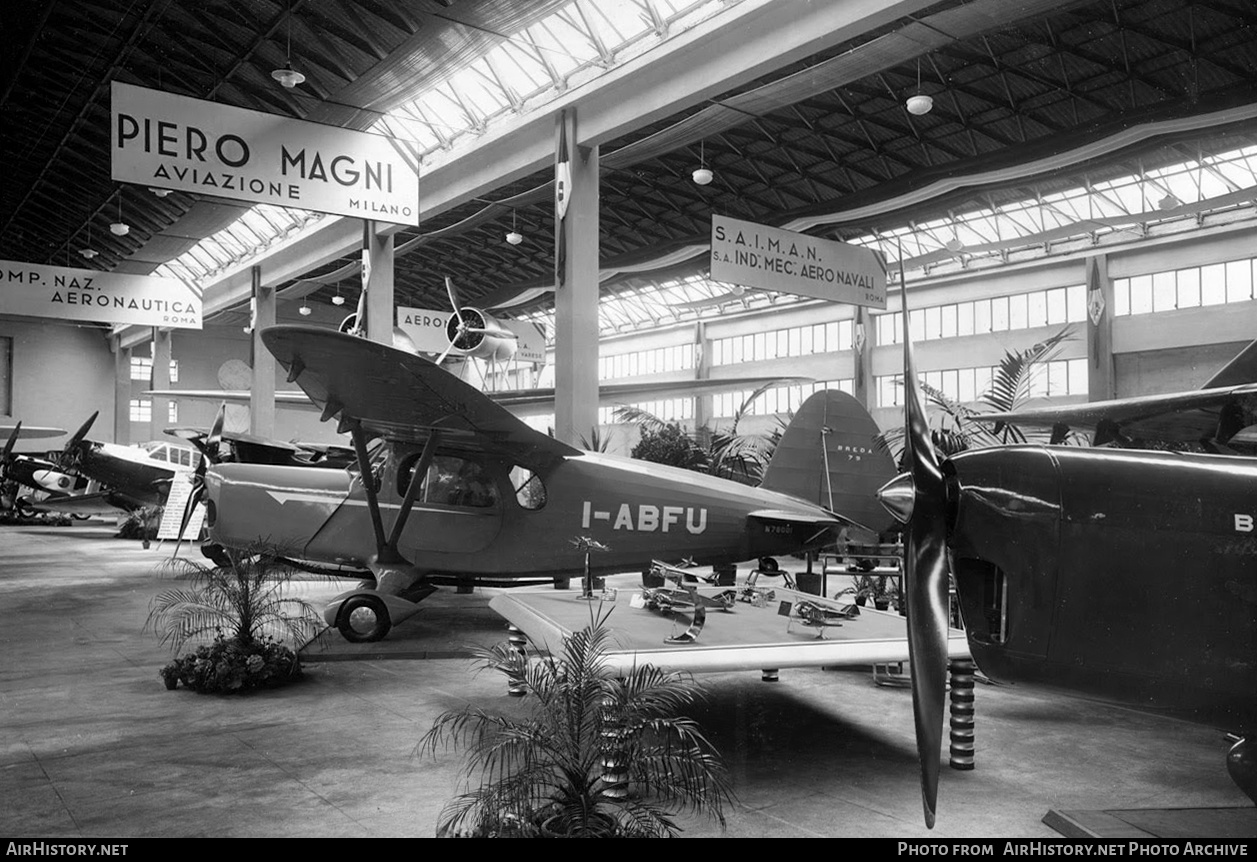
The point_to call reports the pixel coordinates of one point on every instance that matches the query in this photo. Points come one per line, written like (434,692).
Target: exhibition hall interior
(630,418)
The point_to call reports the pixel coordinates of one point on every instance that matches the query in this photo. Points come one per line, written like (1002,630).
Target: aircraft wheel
(769,566)
(79,517)
(363,619)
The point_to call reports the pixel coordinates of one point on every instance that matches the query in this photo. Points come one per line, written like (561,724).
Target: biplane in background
(459,490)
(1123,575)
(1215,416)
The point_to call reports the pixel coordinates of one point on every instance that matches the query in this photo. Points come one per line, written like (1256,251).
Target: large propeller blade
(9,444)
(72,453)
(209,447)
(919,499)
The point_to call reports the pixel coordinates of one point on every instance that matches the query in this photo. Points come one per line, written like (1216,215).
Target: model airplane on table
(1124,575)
(460,490)
(1211,416)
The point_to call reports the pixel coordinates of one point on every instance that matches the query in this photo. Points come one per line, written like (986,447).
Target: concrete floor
(93,746)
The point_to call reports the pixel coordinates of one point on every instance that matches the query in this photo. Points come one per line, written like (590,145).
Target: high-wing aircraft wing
(525,402)
(396,394)
(1186,417)
(1211,415)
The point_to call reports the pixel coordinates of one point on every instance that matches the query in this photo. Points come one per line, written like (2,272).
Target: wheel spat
(925,576)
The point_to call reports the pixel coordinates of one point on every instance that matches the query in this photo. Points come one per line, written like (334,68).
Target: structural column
(262,392)
(159,378)
(576,285)
(121,393)
(702,371)
(377,279)
(861,351)
(1100,376)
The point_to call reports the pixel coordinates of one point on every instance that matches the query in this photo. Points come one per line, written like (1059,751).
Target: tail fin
(1241,369)
(829,455)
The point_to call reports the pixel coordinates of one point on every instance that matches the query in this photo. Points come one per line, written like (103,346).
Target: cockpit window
(451,481)
(530,491)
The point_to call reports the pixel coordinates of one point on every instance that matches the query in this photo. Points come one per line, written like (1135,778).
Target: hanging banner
(175,142)
(75,295)
(755,255)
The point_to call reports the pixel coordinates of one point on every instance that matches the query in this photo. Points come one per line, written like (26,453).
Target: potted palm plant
(246,610)
(591,754)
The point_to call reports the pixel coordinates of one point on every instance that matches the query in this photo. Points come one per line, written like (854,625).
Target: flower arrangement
(227,666)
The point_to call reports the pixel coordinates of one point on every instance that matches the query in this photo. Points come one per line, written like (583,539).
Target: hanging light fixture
(288,76)
(161,193)
(305,310)
(87,251)
(119,228)
(919,103)
(702,174)
(514,237)
(338,299)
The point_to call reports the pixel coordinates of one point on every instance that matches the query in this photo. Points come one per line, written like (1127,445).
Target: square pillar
(262,392)
(576,288)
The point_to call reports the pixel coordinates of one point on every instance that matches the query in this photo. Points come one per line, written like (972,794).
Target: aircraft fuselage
(1127,575)
(523,524)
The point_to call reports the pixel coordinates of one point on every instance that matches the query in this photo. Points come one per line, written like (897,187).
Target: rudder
(829,455)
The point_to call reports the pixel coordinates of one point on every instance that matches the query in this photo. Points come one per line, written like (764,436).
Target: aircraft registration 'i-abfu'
(459,490)
(1125,575)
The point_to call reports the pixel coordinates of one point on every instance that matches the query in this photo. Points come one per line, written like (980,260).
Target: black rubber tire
(768,566)
(357,635)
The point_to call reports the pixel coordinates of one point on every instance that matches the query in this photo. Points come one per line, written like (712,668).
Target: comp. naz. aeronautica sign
(89,295)
(756,255)
(175,142)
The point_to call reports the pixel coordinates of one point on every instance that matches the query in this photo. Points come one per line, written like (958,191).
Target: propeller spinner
(918,499)
(475,332)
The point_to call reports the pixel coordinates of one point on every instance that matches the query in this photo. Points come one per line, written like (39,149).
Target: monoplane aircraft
(1211,416)
(457,489)
(1124,575)
(88,477)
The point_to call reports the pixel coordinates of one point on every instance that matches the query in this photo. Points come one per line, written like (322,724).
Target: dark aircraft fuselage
(1127,575)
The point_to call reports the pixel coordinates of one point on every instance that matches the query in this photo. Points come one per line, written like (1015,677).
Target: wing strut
(412,491)
(368,485)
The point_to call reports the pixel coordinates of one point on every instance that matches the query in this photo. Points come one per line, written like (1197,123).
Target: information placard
(71,294)
(176,142)
(756,255)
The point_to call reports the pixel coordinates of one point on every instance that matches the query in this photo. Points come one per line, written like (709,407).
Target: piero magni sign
(756,255)
(89,295)
(174,142)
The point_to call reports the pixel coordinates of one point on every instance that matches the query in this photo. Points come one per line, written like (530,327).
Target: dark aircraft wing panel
(1183,416)
(78,504)
(397,394)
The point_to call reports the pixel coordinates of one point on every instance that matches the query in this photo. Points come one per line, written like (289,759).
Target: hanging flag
(562,196)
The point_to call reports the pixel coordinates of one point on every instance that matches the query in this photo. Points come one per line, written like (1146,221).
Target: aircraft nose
(897,497)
